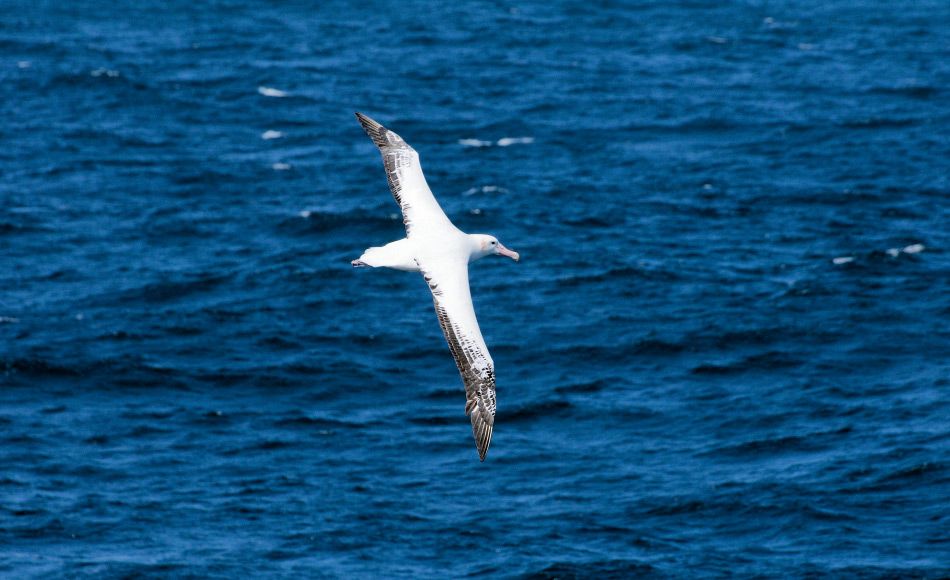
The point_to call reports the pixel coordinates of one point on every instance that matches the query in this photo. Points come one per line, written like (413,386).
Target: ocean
(725,351)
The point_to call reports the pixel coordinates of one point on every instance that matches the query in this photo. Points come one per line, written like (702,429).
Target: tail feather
(396,255)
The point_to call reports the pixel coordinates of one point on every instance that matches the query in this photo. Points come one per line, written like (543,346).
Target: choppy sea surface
(726,350)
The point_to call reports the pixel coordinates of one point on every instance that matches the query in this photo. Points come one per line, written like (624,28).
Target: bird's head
(486,245)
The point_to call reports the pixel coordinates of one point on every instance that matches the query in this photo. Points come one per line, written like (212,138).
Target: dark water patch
(590,354)
(783,444)
(10,228)
(678,506)
(432,420)
(539,410)
(307,422)
(599,569)
(22,439)
(278,342)
(141,431)
(166,290)
(19,513)
(658,347)
(151,414)
(116,568)
(586,387)
(443,394)
(918,473)
(729,339)
(595,222)
(313,222)
(184,330)
(122,335)
(272,444)
(617,275)
(227,378)
(97,440)
(878,123)
(213,417)
(12,482)
(51,528)
(772,360)
(912,572)
(37,368)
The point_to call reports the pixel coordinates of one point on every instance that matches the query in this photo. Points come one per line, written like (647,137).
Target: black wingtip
(380,135)
(375,131)
(482,435)
(369,125)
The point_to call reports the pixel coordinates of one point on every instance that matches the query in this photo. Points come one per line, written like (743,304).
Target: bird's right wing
(420,210)
(448,281)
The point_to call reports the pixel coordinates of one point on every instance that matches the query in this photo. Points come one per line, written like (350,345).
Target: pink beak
(500,249)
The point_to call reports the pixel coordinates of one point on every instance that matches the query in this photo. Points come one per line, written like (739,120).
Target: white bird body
(441,252)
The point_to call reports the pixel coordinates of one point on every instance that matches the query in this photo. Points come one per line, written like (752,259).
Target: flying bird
(441,252)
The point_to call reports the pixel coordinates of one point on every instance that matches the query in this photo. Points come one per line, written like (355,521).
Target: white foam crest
(913,249)
(503,142)
(892,252)
(280,166)
(24,64)
(271,92)
(506,141)
(268,135)
(484,189)
(842,260)
(8,320)
(105,72)
(773,23)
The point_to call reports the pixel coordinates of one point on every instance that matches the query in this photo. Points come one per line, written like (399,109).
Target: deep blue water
(726,350)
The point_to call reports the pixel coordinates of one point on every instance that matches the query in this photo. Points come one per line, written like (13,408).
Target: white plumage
(441,252)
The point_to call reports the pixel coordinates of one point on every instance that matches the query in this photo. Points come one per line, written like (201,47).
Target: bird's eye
(493,243)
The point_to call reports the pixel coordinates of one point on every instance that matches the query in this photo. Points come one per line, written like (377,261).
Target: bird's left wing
(448,281)
(420,210)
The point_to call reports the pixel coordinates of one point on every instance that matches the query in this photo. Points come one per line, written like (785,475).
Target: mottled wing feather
(406,180)
(448,282)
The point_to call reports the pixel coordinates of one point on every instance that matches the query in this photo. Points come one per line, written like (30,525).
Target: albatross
(441,252)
